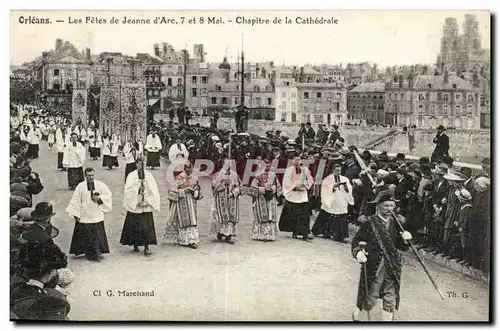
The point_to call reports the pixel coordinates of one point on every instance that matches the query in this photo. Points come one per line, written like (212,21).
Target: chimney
(446,77)
(156,50)
(401,81)
(88,54)
(59,43)
(165,48)
(301,75)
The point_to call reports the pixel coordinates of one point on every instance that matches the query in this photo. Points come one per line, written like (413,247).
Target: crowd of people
(312,176)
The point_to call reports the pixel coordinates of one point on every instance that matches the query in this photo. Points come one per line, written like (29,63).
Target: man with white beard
(73,159)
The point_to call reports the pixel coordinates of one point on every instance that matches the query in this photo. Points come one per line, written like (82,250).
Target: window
(257,102)
(318,94)
(283,94)
(283,105)
(224,100)
(402,107)
(420,109)
(294,95)
(433,109)
(269,101)
(458,109)
(283,117)
(256,88)
(294,117)
(169,93)
(179,92)
(56,87)
(236,101)
(470,97)
(193,92)
(402,96)
(445,109)
(336,106)
(294,105)
(203,91)
(318,118)
(69,72)
(421,97)
(81,84)
(214,100)
(204,79)
(179,81)
(446,97)
(169,82)
(217,88)
(306,108)
(470,109)
(306,95)
(193,79)
(56,72)
(194,102)
(179,69)
(458,96)
(304,118)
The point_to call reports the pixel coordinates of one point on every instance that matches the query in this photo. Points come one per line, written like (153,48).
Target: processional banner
(109,121)
(79,107)
(133,112)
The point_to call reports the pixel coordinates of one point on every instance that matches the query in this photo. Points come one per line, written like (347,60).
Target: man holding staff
(381,277)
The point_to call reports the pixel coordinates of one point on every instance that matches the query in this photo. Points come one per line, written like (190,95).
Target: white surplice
(129,154)
(336,202)
(292,180)
(131,196)
(153,144)
(82,206)
(74,156)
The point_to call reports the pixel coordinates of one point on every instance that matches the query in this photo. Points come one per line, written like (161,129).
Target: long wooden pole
(363,166)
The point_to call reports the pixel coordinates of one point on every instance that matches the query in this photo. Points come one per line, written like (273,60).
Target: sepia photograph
(250,165)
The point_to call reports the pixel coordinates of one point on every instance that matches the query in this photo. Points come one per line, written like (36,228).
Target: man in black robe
(442,144)
(383,237)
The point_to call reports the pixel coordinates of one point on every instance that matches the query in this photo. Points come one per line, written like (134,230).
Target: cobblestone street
(286,280)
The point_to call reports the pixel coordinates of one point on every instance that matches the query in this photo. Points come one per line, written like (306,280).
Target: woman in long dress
(264,189)
(183,194)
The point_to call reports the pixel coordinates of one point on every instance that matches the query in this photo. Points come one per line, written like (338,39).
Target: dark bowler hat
(43,210)
(383,196)
(441,128)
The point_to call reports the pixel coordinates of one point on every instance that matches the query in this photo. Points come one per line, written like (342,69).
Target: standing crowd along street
(393,202)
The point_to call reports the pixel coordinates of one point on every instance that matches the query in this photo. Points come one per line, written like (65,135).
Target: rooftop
(369,87)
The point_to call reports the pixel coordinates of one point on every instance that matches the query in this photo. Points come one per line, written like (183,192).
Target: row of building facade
(328,94)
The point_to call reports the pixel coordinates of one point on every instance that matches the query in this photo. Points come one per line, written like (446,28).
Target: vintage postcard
(250,165)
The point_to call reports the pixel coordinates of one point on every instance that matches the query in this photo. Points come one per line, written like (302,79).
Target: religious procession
(310,186)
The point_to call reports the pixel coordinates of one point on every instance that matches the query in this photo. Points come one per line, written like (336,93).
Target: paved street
(286,280)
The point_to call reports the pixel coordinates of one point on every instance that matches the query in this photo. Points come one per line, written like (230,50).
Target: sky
(382,37)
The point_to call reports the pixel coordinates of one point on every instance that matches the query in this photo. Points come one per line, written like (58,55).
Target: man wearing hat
(468,181)
(41,263)
(442,143)
(153,147)
(41,230)
(91,200)
(376,246)
(334,135)
(452,208)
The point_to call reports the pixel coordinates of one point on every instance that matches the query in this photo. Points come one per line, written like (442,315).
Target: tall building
(366,103)
(463,52)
